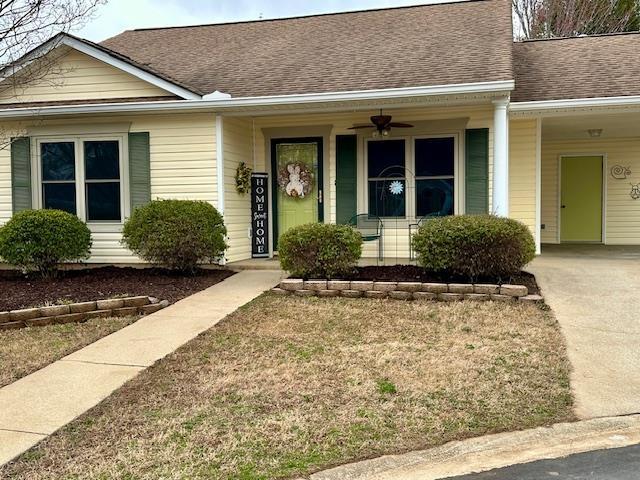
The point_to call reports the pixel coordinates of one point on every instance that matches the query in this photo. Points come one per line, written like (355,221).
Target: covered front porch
(588,172)
(448,155)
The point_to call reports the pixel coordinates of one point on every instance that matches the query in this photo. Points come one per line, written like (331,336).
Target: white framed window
(83,175)
(427,170)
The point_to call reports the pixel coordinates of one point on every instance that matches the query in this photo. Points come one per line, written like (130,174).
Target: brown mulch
(100,283)
(413,273)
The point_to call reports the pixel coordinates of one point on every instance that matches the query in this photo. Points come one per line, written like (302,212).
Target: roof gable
(66,68)
(436,44)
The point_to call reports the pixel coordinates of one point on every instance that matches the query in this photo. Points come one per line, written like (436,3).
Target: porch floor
(574,250)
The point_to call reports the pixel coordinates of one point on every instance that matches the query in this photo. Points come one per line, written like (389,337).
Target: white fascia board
(549,105)
(502,87)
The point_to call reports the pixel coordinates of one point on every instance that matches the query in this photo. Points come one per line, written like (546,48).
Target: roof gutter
(221,104)
(576,103)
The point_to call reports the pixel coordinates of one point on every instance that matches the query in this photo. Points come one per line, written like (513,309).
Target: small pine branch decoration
(243,178)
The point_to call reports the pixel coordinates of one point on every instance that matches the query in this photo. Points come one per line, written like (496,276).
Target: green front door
(296,166)
(581,199)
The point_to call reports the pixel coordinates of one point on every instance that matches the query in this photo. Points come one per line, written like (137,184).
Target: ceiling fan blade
(400,125)
(361,126)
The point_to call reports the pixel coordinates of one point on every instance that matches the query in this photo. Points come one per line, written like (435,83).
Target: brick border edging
(80,312)
(406,290)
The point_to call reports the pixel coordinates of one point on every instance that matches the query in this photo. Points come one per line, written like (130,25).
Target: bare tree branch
(24,26)
(569,18)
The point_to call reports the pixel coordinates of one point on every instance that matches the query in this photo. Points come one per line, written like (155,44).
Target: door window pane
(101,160)
(58,161)
(434,197)
(387,178)
(59,196)
(103,201)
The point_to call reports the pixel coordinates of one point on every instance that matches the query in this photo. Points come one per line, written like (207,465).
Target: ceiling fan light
(385,132)
(376,134)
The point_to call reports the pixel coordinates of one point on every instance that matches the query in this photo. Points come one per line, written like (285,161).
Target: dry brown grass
(286,386)
(26,350)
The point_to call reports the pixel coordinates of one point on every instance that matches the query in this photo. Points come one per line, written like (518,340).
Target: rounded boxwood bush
(40,240)
(177,234)
(319,250)
(474,246)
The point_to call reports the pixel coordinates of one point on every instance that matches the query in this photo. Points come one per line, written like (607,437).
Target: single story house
(467,121)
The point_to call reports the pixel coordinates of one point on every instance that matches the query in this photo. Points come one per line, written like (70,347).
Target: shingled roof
(436,44)
(579,67)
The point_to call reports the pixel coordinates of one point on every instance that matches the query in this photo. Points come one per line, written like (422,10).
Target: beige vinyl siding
(396,233)
(238,147)
(183,166)
(76,76)
(522,171)
(622,213)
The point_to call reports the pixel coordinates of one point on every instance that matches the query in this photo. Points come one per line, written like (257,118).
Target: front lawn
(287,385)
(26,350)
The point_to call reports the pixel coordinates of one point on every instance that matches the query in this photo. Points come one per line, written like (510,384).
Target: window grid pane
(435,176)
(387,178)
(102,175)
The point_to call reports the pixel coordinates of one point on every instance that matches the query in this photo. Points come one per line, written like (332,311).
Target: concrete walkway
(594,292)
(41,403)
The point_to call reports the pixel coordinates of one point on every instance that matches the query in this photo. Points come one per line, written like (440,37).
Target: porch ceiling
(577,127)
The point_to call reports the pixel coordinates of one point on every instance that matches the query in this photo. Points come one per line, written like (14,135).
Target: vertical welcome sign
(259,215)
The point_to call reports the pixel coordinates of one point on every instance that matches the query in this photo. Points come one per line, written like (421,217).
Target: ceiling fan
(382,124)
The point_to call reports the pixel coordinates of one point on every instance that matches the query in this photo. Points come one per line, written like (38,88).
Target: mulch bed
(101,283)
(412,273)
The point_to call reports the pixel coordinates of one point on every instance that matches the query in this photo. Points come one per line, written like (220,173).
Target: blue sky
(119,15)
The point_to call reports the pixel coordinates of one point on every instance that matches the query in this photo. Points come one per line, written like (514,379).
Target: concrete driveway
(594,292)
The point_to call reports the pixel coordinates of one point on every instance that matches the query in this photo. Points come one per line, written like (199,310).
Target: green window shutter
(21,174)
(346,177)
(139,169)
(477,171)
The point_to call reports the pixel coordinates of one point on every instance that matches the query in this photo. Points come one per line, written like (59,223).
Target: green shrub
(39,240)
(319,250)
(474,246)
(177,234)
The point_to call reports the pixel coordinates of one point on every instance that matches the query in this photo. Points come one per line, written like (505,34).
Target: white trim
(220,163)
(603,232)
(221,104)
(106,58)
(538,227)
(543,105)
(500,192)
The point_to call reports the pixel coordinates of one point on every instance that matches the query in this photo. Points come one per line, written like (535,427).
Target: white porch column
(500,204)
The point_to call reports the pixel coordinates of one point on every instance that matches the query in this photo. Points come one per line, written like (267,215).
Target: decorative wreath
(243,178)
(295,180)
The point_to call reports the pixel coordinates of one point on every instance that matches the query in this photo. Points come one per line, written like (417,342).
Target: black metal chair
(370,227)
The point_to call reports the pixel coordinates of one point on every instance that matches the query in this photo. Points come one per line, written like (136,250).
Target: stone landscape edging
(406,290)
(80,312)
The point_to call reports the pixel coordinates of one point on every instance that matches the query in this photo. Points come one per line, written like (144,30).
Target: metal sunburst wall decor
(619,172)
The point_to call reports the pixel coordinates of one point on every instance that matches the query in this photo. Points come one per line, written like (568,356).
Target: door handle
(320,196)
(563,206)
